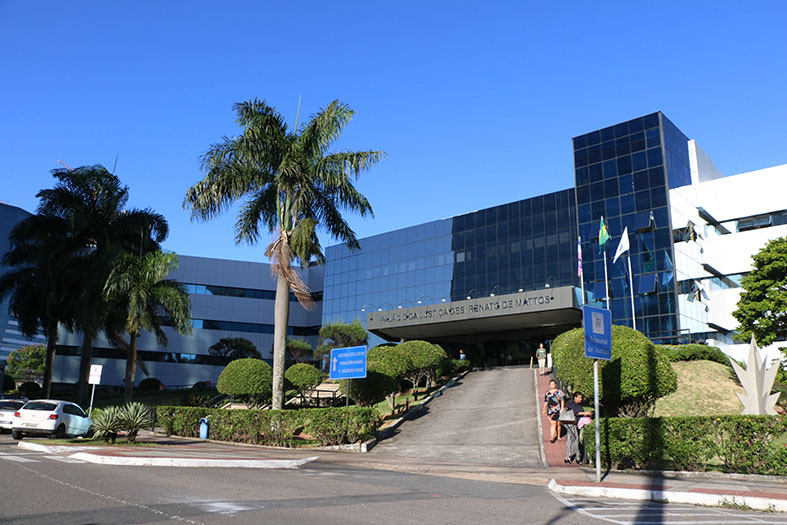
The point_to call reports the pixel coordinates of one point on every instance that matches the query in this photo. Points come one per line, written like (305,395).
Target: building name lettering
(460,310)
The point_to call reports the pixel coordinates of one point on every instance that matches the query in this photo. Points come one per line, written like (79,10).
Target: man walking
(541,354)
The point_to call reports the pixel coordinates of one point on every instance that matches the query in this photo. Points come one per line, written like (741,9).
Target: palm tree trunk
(84,367)
(281,320)
(49,361)
(131,365)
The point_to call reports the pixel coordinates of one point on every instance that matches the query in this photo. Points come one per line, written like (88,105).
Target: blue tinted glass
(625,184)
(658,197)
(654,157)
(594,154)
(627,203)
(584,213)
(610,169)
(652,120)
(642,199)
(583,194)
(641,180)
(624,164)
(623,146)
(596,191)
(608,150)
(594,137)
(610,187)
(654,137)
(580,157)
(580,142)
(636,125)
(597,209)
(638,161)
(594,172)
(608,133)
(656,177)
(622,129)
(637,142)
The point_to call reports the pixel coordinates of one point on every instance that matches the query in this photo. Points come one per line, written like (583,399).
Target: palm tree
(41,281)
(291,185)
(91,200)
(139,284)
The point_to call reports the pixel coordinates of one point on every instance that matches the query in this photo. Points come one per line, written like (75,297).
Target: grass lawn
(93,442)
(705,388)
(403,399)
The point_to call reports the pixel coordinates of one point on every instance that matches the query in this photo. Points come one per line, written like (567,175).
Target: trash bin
(204,427)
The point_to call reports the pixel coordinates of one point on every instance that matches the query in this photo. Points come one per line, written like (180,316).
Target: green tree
(292,185)
(303,378)
(27,363)
(249,379)
(235,348)
(762,308)
(339,335)
(392,361)
(299,351)
(424,356)
(139,287)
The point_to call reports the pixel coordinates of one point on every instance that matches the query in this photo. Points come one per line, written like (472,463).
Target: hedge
(694,352)
(742,444)
(331,426)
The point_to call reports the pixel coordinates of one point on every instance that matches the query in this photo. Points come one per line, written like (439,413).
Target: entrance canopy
(507,317)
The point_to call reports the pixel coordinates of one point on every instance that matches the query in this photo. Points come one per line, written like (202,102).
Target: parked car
(50,417)
(7,409)
(13,397)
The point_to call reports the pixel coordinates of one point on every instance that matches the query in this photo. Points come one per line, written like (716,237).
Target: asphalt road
(42,489)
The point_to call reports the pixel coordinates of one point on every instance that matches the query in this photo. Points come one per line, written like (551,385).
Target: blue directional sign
(348,363)
(598,332)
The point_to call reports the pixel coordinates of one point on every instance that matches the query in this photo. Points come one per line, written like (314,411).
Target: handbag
(567,416)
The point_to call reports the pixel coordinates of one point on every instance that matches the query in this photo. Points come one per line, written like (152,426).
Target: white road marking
(226,507)
(19,459)
(64,459)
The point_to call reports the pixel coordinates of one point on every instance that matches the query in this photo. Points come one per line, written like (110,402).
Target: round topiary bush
(31,390)
(303,377)
(149,384)
(8,382)
(250,379)
(372,389)
(629,383)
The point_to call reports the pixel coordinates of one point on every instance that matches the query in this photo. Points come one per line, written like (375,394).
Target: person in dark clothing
(572,434)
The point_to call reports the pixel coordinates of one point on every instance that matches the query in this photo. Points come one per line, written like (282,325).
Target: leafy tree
(392,361)
(27,363)
(762,308)
(235,348)
(299,351)
(91,202)
(247,378)
(303,377)
(292,185)
(372,389)
(424,356)
(339,335)
(138,284)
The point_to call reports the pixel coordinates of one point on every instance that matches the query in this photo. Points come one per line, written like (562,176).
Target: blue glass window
(638,161)
(580,142)
(626,184)
(652,120)
(594,154)
(594,172)
(594,137)
(654,137)
(608,150)
(610,169)
(624,164)
(637,142)
(654,157)
(622,129)
(608,133)
(635,125)
(622,146)
(647,283)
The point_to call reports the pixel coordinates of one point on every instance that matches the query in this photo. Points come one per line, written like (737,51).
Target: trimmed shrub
(424,356)
(460,365)
(694,352)
(444,368)
(8,382)
(372,389)
(743,444)
(303,377)
(630,382)
(331,426)
(31,390)
(149,384)
(200,386)
(250,379)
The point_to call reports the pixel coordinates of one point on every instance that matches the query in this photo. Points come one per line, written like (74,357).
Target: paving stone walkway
(489,419)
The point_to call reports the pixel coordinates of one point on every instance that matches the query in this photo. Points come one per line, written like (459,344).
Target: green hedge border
(330,426)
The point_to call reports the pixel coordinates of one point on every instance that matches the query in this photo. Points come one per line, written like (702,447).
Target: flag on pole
(623,247)
(603,235)
(579,257)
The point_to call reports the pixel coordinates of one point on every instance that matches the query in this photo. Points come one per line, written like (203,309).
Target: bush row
(331,426)
(694,352)
(743,444)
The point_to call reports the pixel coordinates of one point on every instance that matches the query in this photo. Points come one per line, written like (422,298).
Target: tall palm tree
(139,284)
(291,185)
(41,281)
(91,200)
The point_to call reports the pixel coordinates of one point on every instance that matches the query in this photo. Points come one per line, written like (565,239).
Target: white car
(50,417)
(7,409)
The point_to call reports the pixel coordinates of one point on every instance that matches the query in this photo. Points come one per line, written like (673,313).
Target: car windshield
(38,405)
(10,405)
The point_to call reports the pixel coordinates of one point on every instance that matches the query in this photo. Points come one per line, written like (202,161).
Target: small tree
(762,308)
(235,348)
(372,389)
(27,363)
(303,378)
(423,358)
(299,351)
(630,383)
(249,379)
(340,335)
(392,361)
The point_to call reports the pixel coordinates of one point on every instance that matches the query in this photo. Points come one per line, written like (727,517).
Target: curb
(100,459)
(670,496)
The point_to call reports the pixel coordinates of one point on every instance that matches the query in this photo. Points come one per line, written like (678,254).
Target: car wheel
(60,433)
(16,434)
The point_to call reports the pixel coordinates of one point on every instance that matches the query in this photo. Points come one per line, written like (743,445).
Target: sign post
(348,363)
(597,323)
(93,378)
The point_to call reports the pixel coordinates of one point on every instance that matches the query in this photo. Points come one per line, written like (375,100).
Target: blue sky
(475,103)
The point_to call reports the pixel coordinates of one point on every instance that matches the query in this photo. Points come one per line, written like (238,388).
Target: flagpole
(606,277)
(581,269)
(631,289)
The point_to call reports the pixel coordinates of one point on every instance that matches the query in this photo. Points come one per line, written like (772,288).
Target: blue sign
(348,363)
(598,332)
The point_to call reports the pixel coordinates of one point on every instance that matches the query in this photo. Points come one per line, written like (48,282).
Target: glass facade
(624,173)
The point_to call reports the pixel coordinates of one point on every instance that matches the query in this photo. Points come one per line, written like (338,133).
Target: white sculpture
(757,381)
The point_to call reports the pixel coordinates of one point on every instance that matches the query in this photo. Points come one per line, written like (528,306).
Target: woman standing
(572,440)
(553,404)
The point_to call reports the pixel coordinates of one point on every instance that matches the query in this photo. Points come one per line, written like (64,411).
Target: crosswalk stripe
(64,459)
(19,459)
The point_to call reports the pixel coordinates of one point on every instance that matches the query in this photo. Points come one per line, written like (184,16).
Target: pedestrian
(541,354)
(553,404)
(572,433)
(462,355)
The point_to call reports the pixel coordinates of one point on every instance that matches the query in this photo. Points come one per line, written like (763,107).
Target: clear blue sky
(475,103)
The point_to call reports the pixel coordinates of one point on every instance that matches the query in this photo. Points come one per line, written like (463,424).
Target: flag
(603,235)
(579,256)
(623,247)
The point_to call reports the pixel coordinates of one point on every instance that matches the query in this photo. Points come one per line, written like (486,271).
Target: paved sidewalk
(554,452)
